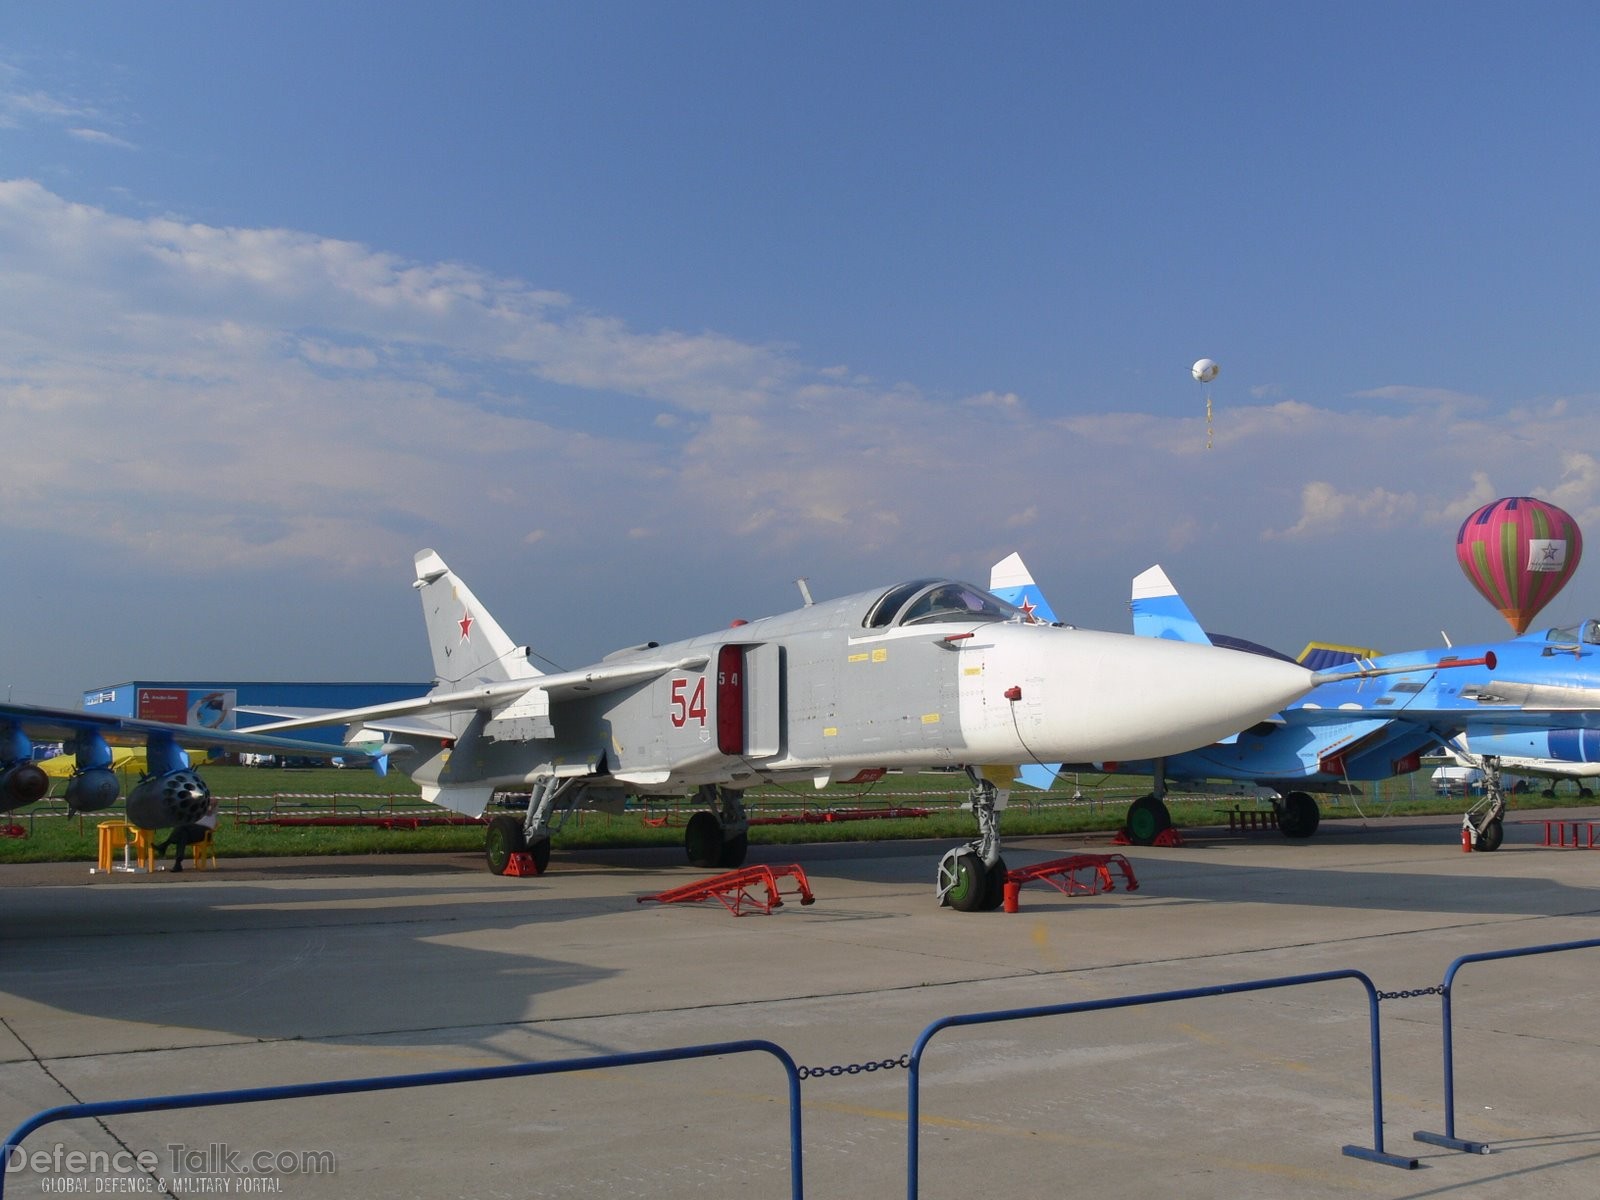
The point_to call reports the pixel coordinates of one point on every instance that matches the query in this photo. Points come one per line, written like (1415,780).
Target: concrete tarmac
(285,971)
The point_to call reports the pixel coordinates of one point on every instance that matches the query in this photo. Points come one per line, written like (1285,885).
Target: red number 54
(688,706)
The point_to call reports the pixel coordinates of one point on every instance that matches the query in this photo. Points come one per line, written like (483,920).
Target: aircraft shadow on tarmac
(319,961)
(1368,889)
(1467,888)
(267,964)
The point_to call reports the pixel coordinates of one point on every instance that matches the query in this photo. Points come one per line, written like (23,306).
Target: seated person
(183,836)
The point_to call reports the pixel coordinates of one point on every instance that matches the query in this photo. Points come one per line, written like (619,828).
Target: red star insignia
(1026,608)
(466,625)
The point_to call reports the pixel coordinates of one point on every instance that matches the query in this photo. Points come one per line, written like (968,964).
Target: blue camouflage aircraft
(1544,692)
(1544,695)
(171,792)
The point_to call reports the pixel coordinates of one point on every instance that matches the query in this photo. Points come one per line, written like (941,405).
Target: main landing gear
(1298,815)
(1484,823)
(1148,818)
(719,835)
(530,833)
(973,878)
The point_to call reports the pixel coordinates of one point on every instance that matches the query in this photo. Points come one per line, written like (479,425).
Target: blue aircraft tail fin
(1159,612)
(1011,580)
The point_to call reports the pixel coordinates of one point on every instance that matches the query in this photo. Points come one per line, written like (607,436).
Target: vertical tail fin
(468,644)
(1011,580)
(1159,612)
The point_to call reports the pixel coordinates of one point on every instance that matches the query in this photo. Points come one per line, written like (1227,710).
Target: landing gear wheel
(702,840)
(505,838)
(733,851)
(968,885)
(994,889)
(1491,835)
(1148,819)
(541,855)
(1299,816)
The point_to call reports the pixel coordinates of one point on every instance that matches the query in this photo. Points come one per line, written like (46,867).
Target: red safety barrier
(1076,875)
(826,816)
(830,815)
(1555,834)
(736,890)
(420,821)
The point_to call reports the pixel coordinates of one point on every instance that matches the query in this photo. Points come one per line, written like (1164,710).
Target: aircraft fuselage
(821,693)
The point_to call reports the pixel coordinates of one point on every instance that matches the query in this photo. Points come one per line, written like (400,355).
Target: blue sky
(638,311)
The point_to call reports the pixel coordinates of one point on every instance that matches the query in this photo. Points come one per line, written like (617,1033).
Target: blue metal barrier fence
(381,1083)
(913,1119)
(1448,1138)
(1375,1154)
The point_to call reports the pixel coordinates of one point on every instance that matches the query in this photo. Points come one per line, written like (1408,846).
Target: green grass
(252,795)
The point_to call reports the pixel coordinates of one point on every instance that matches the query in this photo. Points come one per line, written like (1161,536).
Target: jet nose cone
(1252,686)
(1133,698)
(1213,693)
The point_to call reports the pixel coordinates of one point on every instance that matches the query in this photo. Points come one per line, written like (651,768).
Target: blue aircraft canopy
(1588,633)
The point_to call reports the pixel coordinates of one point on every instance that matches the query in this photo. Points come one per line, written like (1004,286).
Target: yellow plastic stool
(205,851)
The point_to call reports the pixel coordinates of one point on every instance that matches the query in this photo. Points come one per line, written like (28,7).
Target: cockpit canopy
(1587,634)
(923,601)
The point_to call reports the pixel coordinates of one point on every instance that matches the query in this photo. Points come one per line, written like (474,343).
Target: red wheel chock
(737,890)
(1167,837)
(521,864)
(1077,875)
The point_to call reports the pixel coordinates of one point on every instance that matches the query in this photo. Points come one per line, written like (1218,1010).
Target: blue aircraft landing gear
(1298,815)
(1484,824)
(1147,819)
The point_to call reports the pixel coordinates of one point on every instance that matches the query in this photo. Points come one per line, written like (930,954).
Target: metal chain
(904,1061)
(1436,990)
(887,1064)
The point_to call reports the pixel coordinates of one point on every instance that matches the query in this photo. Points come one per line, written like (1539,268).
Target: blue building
(214,704)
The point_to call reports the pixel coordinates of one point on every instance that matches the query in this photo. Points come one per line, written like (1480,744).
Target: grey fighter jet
(925,674)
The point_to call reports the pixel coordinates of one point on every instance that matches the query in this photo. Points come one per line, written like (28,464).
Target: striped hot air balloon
(1519,552)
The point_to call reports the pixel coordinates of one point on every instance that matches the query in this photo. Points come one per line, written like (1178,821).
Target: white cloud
(1007,402)
(1326,510)
(1433,396)
(252,398)
(20,107)
(100,137)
